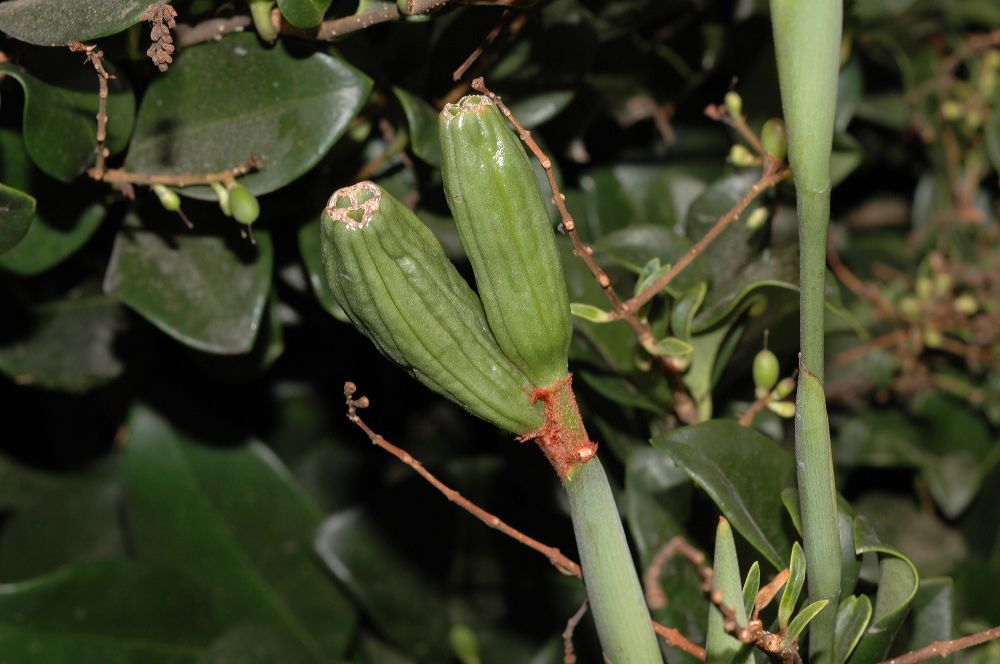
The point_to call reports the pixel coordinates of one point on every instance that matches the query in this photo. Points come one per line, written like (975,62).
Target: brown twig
(721,114)
(95,56)
(119,176)
(569,652)
(683,404)
(560,561)
(211,30)
(755,409)
(945,648)
(564,564)
(860,288)
(767,594)
(766,181)
(488,40)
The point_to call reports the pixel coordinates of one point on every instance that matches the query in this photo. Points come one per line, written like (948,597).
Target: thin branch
(945,648)
(119,176)
(95,56)
(766,594)
(211,30)
(755,409)
(766,181)
(721,114)
(488,40)
(561,562)
(683,404)
(564,564)
(569,652)
(860,288)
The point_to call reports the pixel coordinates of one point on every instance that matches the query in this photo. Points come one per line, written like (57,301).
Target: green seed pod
(765,369)
(392,278)
(168,197)
(504,226)
(774,138)
(784,387)
(785,409)
(223,195)
(740,156)
(734,104)
(243,205)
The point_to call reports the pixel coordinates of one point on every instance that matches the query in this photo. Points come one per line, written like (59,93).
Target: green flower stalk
(807,35)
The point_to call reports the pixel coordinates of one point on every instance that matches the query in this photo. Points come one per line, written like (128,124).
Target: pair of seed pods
(487,352)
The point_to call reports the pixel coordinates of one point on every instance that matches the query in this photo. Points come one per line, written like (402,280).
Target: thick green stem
(807,46)
(616,599)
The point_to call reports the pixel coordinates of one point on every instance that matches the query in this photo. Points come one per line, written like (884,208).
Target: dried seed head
(354,206)
(467,104)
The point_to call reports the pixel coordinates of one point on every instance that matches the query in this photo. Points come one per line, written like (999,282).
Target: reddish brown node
(562,437)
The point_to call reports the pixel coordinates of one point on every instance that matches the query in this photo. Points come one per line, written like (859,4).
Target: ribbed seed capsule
(505,228)
(390,274)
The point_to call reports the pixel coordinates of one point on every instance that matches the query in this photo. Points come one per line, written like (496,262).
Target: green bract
(505,228)
(390,274)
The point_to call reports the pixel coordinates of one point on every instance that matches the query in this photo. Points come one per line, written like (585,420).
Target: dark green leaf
(56,22)
(853,615)
(423,121)
(729,252)
(933,614)
(237,511)
(845,158)
(897,586)
(60,104)
(539,108)
(991,134)
(405,604)
(309,247)
(224,102)
(750,587)
(802,620)
(17,209)
(304,13)
(67,345)
(744,472)
(106,612)
(793,587)
(195,288)
(635,246)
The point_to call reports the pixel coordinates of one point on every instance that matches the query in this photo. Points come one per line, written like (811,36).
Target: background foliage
(177,480)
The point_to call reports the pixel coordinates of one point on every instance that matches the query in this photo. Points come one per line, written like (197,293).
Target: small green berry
(952,110)
(243,205)
(758,218)
(464,644)
(966,304)
(784,388)
(740,156)
(774,138)
(785,409)
(933,338)
(734,104)
(168,197)
(766,369)
(924,288)
(910,307)
(405,7)
(223,195)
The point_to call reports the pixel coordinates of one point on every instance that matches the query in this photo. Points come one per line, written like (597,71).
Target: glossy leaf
(635,246)
(853,615)
(671,346)
(423,121)
(309,248)
(744,472)
(750,587)
(17,209)
(112,611)
(933,614)
(537,109)
(802,620)
(406,605)
(196,288)
(304,13)
(793,587)
(224,102)
(590,313)
(237,511)
(66,345)
(897,586)
(60,104)
(32,20)
(733,248)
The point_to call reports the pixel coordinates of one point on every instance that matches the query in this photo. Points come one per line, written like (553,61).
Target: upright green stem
(616,599)
(807,46)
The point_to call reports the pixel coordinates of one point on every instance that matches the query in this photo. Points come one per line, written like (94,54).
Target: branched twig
(95,56)
(119,176)
(564,564)
(683,403)
(766,181)
(720,114)
(860,288)
(488,40)
(755,409)
(161,17)
(569,652)
(560,561)
(945,648)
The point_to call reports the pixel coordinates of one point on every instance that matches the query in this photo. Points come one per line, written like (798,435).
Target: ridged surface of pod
(391,276)
(505,229)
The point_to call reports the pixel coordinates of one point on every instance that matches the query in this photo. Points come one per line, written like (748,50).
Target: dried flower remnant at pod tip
(354,206)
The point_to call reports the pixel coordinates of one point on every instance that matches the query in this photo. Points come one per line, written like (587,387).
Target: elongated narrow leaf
(744,472)
(721,648)
(423,121)
(239,514)
(224,102)
(60,104)
(750,587)
(897,586)
(853,615)
(802,620)
(793,587)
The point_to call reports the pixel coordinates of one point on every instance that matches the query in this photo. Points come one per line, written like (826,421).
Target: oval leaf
(239,513)
(223,102)
(195,288)
(32,20)
(304,13)
(590,312)
(423,121)
(853,615)
(744,472)
(60,103)
(17,209)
